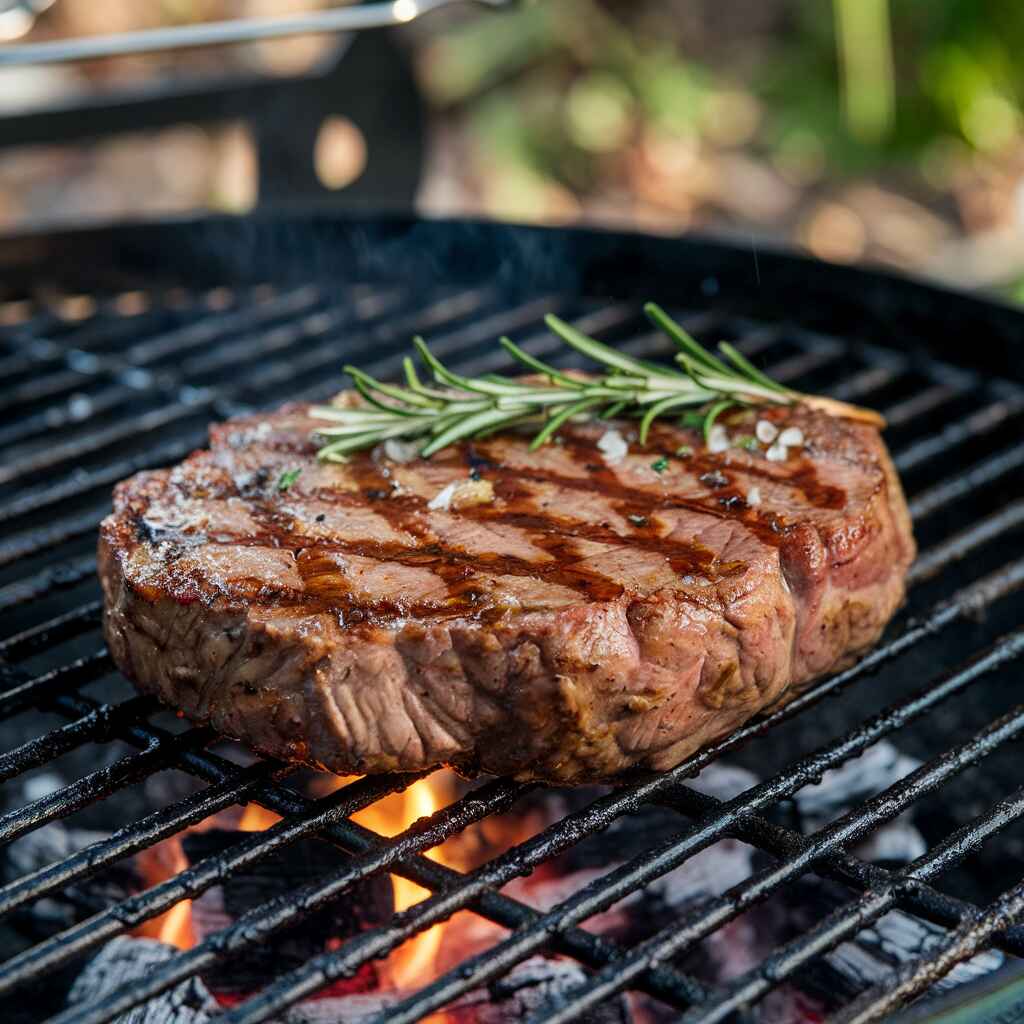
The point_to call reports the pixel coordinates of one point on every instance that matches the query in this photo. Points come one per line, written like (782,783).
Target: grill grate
(100,386)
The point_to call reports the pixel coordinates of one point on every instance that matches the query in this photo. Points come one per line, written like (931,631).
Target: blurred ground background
(883,130)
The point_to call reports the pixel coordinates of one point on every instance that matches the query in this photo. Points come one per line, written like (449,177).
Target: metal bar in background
(355,18)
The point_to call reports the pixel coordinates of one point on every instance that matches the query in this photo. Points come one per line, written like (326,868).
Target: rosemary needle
(454,407)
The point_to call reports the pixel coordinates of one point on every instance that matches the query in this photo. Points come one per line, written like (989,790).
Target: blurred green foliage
(555,88)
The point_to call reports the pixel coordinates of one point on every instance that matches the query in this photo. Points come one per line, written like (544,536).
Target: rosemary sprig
(456,407)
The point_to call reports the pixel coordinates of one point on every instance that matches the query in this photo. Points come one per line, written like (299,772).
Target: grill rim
(247,249)
(613,242)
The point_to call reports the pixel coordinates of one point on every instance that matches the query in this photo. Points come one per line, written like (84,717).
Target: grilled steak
(555,615)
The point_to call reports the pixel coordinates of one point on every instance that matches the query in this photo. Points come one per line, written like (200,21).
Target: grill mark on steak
(456,567)
(556,535)
(602,479)
(461,571)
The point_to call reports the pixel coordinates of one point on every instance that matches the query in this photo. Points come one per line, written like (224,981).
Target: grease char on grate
(95,390)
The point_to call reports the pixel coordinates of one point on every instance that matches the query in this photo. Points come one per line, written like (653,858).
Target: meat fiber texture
(565,614)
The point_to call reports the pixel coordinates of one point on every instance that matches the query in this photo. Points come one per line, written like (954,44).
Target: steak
(565,614)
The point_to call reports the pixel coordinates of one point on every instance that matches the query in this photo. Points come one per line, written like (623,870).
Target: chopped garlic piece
(754,496)
(613,446)
(777,453)
(443,499)
(473,492)
(718,439)
(766,432)
(792,437)
(462,494)
(401,451)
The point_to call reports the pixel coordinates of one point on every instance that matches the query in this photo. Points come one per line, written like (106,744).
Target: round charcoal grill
(118,347)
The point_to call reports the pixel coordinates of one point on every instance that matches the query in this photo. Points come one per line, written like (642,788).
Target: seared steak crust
(563,619)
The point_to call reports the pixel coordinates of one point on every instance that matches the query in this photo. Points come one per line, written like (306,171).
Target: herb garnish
(287,478)
(659,465)
(461,407)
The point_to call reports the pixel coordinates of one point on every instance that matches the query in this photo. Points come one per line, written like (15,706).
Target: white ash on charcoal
(897,937)
(126,959)
(354,1008)
(708,873)
(525,989)
(870,958)
(744,943)
(511,999)
(724,781)
(730,950)
(47,845)
(281,873)
(851,784)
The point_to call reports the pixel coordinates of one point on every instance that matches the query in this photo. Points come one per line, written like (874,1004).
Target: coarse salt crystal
(613,446)
(754,496)
(792,437)
(777,453)
(766,432)
(401,451)
(718,439)
(443,499)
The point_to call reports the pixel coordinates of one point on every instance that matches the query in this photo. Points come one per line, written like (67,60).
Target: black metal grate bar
(47,581)
(961,544)
(133,912)
(920,898)
(503,910)
(138,836)
(161,753)
(37,689)
(44,634)
(484,968)
(963,485)
(616,884)
(23,969)
(96,726)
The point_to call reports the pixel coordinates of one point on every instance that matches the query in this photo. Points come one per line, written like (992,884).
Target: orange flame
(256,819)
(412,963)
(409,965)
(175,926)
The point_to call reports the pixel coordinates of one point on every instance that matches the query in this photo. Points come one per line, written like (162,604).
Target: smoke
(421,255)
